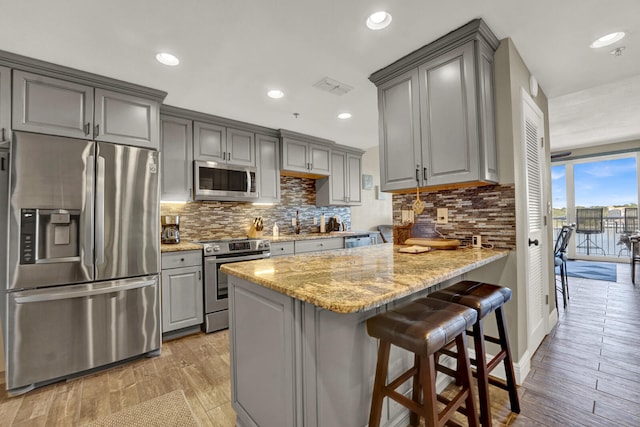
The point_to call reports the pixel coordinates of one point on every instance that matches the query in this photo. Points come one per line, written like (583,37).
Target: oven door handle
(242,258)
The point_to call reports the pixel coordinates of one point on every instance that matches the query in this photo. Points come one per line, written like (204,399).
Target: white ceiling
(232,51)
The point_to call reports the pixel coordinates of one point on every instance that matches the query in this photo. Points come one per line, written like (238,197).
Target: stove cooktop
(241,245)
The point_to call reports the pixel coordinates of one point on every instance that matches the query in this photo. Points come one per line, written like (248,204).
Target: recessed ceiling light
(607,40)
(275,94)
(167,59)
(344,116)
(378,20)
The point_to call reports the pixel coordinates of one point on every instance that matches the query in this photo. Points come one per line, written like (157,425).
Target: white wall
(372,212)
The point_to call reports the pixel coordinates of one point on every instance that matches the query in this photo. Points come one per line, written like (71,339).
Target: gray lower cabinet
(342,187)
(436,113)
(303,365)
(5,107)
(52,106)
(182,287)
(305,155)
(215,143)
(315,245)
(176,174)
(282,248)
(268,149)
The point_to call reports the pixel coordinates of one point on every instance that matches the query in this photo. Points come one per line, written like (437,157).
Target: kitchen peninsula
(300,354)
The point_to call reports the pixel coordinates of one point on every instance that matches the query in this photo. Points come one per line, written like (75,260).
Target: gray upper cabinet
(209,142)
(399,130)
(342,187)
(354,178)
(268,149)
(220,144)
(47,105)
(176,147)
(436,113)
(241,147)
(304,155)
(5,107)
(52,106)
(125,119)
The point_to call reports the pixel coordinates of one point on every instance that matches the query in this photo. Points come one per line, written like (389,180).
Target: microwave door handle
(87,213)
(100,187)
(248,180)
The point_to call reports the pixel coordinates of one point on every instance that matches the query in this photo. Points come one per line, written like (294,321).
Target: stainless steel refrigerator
(82,289)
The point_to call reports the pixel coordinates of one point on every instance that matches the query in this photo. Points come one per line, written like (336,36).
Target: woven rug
(592,270)
(169,410)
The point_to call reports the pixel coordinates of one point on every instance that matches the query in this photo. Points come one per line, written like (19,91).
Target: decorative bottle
(297,223)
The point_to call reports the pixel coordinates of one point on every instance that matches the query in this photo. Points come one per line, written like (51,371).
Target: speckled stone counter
(182,246)
(358,279)
(311,236)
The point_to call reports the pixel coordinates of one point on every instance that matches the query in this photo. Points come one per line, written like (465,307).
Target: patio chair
(560,260)
(629,228)
(635,255)
(588,222)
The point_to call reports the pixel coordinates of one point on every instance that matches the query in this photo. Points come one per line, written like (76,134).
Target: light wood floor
(585,373)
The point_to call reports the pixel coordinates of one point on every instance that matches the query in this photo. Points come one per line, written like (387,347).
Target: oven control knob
(216,248)
(208,249)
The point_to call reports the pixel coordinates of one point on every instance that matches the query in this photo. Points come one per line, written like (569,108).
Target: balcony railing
(611,243)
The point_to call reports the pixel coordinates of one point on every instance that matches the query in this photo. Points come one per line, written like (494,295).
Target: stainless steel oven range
(216,253)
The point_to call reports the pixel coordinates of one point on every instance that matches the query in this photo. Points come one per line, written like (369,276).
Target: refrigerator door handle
(82,291)
(88,213)
(100,188)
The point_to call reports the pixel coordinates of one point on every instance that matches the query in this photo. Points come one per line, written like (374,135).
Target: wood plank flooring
(585,373)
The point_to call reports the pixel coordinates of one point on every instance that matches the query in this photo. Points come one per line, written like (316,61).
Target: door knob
(533,242)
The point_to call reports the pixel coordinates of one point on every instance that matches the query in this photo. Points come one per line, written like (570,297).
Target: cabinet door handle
(2,165)
(229,155)
(3,137)
(199,275)
(97,130)
(424,174)
(224,155)
(417,173)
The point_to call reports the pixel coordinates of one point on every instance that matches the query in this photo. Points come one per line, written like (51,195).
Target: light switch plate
(442,216)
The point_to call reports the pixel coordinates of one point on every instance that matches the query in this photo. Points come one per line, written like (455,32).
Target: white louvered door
(533,138)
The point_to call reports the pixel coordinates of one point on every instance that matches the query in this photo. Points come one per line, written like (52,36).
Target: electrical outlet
(477,241)
(442,216)
(293,221)
(315,221)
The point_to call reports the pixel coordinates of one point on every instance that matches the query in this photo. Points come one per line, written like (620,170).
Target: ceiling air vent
(333,86)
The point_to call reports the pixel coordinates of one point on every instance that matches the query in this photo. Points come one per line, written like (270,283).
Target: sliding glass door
(600,196)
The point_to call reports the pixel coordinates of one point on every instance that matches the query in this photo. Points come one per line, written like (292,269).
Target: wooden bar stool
(485,299)
(423,327)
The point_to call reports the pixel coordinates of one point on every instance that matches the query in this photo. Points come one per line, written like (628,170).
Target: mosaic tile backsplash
(215,220)
(488,211)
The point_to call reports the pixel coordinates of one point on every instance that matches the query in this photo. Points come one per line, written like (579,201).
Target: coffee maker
(170,229)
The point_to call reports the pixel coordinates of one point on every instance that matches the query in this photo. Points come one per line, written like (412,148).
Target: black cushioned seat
(485,299)
(423,327)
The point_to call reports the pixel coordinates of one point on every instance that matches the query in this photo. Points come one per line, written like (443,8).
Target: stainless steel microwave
(221,181)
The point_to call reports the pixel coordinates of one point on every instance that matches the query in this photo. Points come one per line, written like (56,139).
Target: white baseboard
(553,319)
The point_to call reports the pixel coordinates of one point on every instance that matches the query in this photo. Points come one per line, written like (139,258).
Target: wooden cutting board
(433,243)
(414,249)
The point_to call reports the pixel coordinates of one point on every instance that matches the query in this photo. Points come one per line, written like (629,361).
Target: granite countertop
(190,246)
(311,236)
(182,246)
(358,279)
